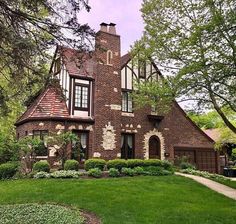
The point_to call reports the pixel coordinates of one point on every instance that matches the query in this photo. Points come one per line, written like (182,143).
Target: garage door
(203,159)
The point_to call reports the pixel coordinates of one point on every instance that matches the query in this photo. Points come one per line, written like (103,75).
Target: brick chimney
(108,28)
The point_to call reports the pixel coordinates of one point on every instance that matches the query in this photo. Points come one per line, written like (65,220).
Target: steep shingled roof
(78,63)
(49,103)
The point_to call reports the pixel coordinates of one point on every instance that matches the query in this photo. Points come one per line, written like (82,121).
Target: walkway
(220,188)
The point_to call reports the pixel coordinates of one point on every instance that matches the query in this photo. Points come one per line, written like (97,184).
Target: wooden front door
(154,148)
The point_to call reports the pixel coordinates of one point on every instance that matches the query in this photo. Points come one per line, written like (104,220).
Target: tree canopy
(194,44)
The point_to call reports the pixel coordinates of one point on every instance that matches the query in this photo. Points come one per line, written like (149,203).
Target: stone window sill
(125,114)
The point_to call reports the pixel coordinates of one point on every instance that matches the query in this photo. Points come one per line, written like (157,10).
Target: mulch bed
(90,218)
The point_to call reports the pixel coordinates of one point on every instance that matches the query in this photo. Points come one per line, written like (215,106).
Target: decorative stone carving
(138,126)
(115,90)
(147,136)
(108,142)
(131,126)
(126,125)
(96,155)
(72,127)
(118,155)
(60,127)
(89,128)
(52,151)
(80,127)
(115,72)
(41,124)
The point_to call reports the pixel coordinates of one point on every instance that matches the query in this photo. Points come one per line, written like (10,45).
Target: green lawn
(162,200)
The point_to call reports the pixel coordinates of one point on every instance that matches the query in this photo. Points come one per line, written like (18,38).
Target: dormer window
(109,57)
(81,101)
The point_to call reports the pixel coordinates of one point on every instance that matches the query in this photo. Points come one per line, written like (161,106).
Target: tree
(61,142)
(211,119)
(194,42)
(29,29)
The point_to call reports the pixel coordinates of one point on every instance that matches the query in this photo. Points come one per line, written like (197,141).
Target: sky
(124,13)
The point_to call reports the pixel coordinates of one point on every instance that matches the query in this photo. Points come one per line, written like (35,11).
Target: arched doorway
(154,148)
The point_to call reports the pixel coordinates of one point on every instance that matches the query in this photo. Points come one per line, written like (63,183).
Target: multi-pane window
(81,97)
(41,149)
(80,149)
(127,146)
(127,104)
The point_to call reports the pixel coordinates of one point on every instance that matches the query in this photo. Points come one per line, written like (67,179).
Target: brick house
(97,106)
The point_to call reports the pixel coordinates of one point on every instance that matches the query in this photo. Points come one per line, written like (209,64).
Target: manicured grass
(162,200)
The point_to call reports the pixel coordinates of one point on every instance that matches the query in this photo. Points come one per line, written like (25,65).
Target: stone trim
(147,136)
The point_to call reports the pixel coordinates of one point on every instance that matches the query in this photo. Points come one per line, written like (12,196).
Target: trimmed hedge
(71,164)
(117,164)
(131,163)
(94,163)
(8,170)
(42,165)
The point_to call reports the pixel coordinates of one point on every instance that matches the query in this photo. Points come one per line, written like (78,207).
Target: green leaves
(195,42)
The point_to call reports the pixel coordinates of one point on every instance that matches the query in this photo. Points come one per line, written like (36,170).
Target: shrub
(65,174)
(41,174)
(233,155)
(117,164)
(186,165)
(42,165)
(128,171)
(167,165)
(95,163)
(138,170)
(95,172)
(113,172)
(154,170)
(8,170)
(71,164)
(153,162)
(131,163)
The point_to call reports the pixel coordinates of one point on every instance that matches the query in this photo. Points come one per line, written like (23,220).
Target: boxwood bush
(95,172)
(153,162)
(8,170)
(117,164)
(154,170)
(138,170)
(42,165)
(128,171)
(131,163)
(71,164)
(94,163)
(113,172)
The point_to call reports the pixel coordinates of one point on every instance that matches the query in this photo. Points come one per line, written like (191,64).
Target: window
(127,146)
(41,150)
(142,69)
(80,149)
(127,104)
(109,57)
(81,101)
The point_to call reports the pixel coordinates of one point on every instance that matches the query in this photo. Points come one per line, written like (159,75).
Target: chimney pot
(104,27)
(112,28)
